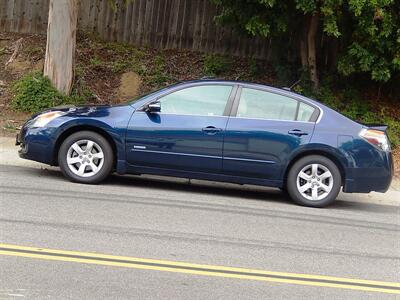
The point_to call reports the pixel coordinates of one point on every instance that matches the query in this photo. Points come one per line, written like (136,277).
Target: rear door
(187,134)
(264,130)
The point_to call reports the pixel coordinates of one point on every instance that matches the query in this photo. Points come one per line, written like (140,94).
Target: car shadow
(250,192)
(199,187)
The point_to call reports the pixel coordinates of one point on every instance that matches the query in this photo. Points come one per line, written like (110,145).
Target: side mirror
(154,107)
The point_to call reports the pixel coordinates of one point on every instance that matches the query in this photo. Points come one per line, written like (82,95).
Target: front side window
(207,100)
(265,105)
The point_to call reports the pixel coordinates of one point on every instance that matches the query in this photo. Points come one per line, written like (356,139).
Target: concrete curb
(9,156)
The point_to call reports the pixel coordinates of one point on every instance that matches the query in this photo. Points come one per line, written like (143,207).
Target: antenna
(294,84)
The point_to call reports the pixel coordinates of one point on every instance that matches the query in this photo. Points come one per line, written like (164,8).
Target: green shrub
(215,64)
(80,93)
(254,68)
(393,130)
(33,93)
(159,74)
(285,74)
(95,61)
(120,65)
(119,48)
(127,62)
(326,96)
(159,63)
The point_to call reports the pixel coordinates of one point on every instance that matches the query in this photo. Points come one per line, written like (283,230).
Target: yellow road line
(200,269)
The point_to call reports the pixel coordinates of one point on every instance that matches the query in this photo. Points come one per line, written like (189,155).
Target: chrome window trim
(320,115)
(169,114)
(241,85)
(276,120)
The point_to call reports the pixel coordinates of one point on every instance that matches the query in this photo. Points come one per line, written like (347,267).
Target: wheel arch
(322,152)
(73,129)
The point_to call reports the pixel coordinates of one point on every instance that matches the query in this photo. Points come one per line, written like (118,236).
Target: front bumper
(17,140)
(36,144)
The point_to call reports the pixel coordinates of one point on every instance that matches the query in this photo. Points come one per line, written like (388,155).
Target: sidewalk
(9,156)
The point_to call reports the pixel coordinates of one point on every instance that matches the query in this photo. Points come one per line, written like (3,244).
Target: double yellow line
(198,269)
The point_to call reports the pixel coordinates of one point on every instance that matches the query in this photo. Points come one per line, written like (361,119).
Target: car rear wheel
(314,181)
(85,157)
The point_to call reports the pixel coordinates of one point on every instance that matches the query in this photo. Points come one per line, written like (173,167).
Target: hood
(75,110)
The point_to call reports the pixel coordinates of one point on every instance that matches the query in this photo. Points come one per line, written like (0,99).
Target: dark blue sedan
(221,131)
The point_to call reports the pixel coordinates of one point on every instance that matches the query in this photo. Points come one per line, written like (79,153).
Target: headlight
(377,138)
(43,119)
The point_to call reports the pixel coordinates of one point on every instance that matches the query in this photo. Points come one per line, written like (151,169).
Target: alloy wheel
(85,158)
(314,182)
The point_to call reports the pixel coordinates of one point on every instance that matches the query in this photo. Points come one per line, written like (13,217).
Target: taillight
(376,137)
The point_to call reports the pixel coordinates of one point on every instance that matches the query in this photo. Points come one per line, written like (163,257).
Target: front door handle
(297,132)
(211,130)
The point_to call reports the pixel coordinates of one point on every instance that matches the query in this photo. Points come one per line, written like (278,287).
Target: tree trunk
(61,41)
(303,43)
(334,49)
(312,49)
(303,53)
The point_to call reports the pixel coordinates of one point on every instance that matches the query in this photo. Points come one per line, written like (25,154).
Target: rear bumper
(370,179)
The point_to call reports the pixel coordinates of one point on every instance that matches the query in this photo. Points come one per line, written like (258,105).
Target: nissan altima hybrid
(216,130)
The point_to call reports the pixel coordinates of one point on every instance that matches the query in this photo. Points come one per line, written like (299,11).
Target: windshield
(146,95)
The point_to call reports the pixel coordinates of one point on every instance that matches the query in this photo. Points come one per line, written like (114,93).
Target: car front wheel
(314,181)
(85,157)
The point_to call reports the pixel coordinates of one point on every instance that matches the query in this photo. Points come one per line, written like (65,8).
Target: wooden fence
(166,24)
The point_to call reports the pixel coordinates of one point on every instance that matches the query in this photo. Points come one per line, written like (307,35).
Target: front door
(264,132)
(187,134)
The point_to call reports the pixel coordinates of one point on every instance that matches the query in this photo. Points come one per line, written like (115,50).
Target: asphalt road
(172,221)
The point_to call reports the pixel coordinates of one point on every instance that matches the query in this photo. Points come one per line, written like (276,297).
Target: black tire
(106,166)
(304,162)
(284,192)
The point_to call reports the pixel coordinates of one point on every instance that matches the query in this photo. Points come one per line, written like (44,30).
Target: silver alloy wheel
(85,158)
(314,182)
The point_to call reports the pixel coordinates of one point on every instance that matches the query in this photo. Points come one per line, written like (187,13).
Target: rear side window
(207,100)
(305,112)
(264,105)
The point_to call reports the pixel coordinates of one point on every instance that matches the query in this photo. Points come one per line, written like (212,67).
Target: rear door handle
(211,130)
(297,132)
